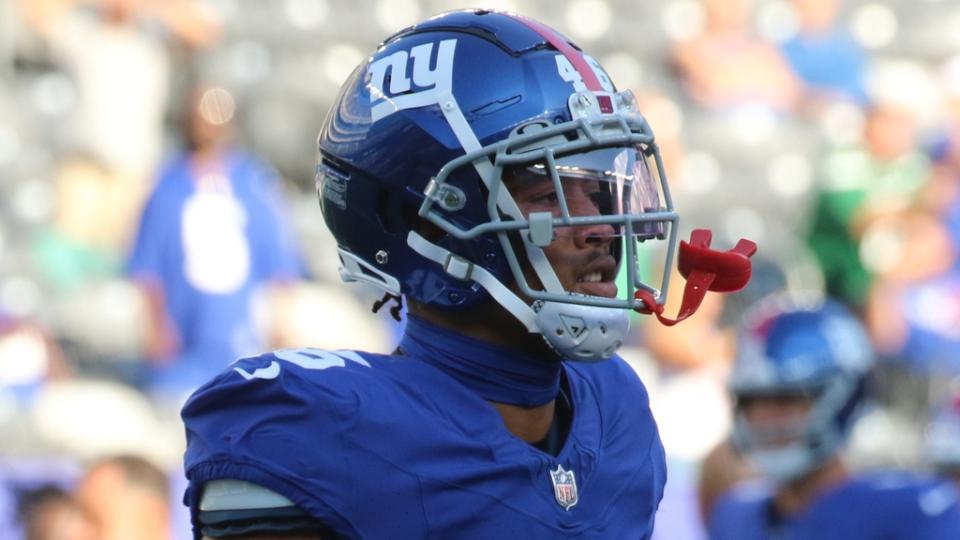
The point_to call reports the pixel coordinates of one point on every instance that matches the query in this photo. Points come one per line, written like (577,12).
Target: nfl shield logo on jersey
(564,487)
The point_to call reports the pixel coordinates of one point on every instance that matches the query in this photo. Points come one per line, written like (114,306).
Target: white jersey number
(305,358)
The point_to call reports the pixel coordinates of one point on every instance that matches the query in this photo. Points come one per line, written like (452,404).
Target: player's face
(777,420)
(581,256)
(590,188)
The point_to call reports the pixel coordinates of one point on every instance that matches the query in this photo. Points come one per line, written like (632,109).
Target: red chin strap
(705,270)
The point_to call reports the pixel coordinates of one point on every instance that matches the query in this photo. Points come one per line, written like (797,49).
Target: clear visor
(599,193)
(589,212)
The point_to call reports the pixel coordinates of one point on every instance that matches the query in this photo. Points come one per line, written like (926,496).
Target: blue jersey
(386,447)
(878,506)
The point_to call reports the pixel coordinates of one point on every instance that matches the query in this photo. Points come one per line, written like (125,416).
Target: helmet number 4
(572,76)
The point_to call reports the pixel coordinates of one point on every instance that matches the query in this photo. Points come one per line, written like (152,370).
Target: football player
(486,170)
(798,382)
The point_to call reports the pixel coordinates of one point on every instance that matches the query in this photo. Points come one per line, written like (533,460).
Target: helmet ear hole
(429,231)
(385,214)
(382,211)
(395,215)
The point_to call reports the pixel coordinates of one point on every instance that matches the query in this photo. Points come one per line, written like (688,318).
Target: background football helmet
(413,156)
(794,346)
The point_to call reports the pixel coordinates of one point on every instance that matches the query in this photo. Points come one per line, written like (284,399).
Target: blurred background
(158,217)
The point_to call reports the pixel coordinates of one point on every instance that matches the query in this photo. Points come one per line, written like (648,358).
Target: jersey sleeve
(277,421)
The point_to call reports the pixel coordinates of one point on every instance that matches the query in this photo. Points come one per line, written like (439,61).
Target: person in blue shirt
(824,56)
(798,382)
(212,235)
(484,169)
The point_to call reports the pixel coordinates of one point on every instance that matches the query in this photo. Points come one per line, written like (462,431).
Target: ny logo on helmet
(426,83)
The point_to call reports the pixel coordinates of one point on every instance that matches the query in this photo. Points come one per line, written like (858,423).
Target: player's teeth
(592,277)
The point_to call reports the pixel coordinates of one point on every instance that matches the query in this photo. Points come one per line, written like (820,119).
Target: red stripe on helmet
(575,57)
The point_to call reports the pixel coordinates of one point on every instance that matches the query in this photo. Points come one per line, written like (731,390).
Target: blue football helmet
(941,442)
(793,346)
(435,137)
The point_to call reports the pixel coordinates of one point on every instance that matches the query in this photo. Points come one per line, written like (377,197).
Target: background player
(798,383)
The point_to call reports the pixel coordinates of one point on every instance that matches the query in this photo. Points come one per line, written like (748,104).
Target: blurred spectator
(942,193)
(50,513)
(82,243)
(914,305)
(128,498)
(212,236)
(727,65)
(879,177)
(824,56)
(115,54)
(29,357)
(121,68)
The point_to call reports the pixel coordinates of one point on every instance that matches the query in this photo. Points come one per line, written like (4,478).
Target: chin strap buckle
(705,270)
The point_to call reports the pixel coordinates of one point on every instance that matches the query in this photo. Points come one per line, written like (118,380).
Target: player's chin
(603,289)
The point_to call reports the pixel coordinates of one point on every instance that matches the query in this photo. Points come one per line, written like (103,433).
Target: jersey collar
(495,373)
